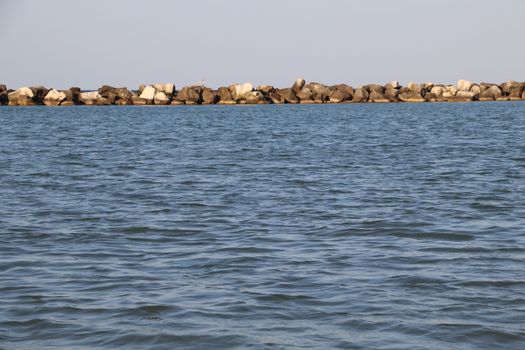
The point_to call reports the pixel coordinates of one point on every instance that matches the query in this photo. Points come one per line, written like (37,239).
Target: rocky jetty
(300,92)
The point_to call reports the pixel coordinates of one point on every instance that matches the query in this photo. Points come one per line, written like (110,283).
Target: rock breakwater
(300,92)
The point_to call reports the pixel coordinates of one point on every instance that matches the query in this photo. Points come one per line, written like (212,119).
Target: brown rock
(320,92)
(209,97)
(378,97)
(255,97)
(341,93)
(391,94)
(265,89)
(225,96)
(361,95)
(287,95)
(298,85)
(305,95)
(491,93)
(375,88)
(411,97)
(190,95)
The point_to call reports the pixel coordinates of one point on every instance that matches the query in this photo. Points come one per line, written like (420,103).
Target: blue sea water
(397,226)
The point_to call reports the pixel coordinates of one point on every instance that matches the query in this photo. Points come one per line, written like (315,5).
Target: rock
(510,86)
(190,95)
(464,96)
(138,101)
(523,96)
(167,89)
(255,97)
(427,86)
(39,93)
(361,95)
(375,88)
(239,90)
(491,93)
(452,90)
(438,90)
(464,85)
(225,96)
(287,95)
(320,93)
(298,85)
(476,89)
(54,98)
(119,96)
(392,85)
(92,98)
(147,94)
(378,97)
(413,87)
(209,97)
(161,98)
(411,97)
(306,95)
(430,97)
(21,97)
(265,89)
(391,94)
(3,88)
(341,93)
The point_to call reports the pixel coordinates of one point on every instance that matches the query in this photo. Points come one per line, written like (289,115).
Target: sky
(63,43)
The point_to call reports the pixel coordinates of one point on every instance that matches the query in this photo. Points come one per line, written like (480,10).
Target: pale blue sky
(62,43)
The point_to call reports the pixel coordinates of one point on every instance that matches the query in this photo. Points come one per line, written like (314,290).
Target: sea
(352,226)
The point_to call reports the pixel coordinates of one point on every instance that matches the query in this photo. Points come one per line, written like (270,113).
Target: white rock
(464,85)
(54,97)
(438,90)
(92,95)
(168,89)
(148,93)
(161,98)
(23,91)
(240,90)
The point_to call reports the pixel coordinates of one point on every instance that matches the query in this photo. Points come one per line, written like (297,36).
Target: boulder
(430,97)
(378,97)
(265,89)
(438,90)
(138,101)
(413,87)
(209,97)
(391,94)
(239,90)
(392,85)
(375,88)
(320,92)
(167,89)
(147,94)
(476,89)
(161,98)
(3,88)
(464,85)
(39,93)
(255,97)
(92,98)
(523,96)
(75,94)
(298,85)
(361,94)
(21,97)
(491,93)
(225,96)
(340,93)
(54,98)
(306,95)
(287,95)
(276,98)
(464,96)
(190,95)
(427,86)
(119,96)
(511,86)
(411,97)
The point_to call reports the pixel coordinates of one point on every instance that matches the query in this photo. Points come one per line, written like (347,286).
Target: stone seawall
(300,92)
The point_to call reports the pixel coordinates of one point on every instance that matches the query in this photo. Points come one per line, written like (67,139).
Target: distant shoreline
(246,94)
